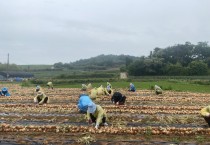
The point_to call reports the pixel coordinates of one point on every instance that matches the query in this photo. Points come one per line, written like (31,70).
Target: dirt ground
(166,119)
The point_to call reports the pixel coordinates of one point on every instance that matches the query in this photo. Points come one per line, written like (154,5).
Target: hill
(101,62)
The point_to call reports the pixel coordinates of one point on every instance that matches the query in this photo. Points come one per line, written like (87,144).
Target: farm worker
(41,98)
(205,112)
(96,114)
(83,102)
(93,93)
(100,90)
(86,87)
(132,88)
(109,85)
(108,91)
(158,90)
(118,98)
(50,85)
(89,86)
(4,92)
(104,91)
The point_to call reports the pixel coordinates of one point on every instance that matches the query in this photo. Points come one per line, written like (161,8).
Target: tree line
(177,60)
(101,62)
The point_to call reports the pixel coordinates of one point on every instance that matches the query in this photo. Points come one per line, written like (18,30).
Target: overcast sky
(51,31)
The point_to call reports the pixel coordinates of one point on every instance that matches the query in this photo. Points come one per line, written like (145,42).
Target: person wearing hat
(100,90)
(205,113)
(84,87)
(132,88)
(93,94)
(104,91)
(108,90)
(158,90)
(83,102)
(96,114)
(50,85)
(109,85)
(118,98)
(41,98)
(4,92)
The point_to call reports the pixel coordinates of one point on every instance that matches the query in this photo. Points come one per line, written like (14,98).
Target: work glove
(96,127)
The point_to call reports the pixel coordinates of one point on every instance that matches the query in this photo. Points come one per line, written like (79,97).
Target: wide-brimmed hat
(91,107)
(4,89)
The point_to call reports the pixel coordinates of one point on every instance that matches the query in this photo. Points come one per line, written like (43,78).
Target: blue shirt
(132,88)
(2,93)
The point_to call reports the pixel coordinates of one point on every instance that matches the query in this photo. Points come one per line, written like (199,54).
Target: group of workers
(95,113)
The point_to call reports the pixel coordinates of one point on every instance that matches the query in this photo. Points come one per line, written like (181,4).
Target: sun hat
(4,89)
(91,107)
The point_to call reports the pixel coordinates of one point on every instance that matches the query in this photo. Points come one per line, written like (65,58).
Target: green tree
(175,69)
(198,68)
(202,51)
(59,65)
(137,68)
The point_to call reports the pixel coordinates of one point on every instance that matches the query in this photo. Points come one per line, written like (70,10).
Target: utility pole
(7,66)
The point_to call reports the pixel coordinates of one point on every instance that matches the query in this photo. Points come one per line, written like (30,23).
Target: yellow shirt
(93,93)
(98,114)
(50,84)
(100,91)
(89,86)
(41,96)
(205,112)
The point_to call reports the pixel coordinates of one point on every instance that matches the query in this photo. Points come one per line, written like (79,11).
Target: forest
(182,59)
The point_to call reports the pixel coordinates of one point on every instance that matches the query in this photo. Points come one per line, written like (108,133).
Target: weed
(86,140)
(148,133)
(176,140)
(200,139)
(25,84)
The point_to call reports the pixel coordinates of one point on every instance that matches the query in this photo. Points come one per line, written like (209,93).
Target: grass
(200,139)
(35,67)
(164,84)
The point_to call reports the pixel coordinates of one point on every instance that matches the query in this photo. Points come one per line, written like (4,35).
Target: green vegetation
(14,67)
(173,85)
(181,59)
(182,67)
(200,139)
(178,60)
(10,67)
(101,62)
(74,79)
(35,67)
